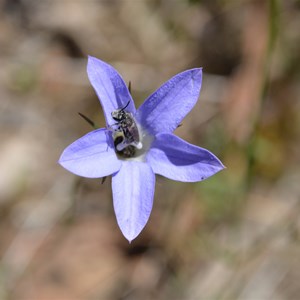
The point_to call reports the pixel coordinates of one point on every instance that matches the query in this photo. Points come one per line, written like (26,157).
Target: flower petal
(133,192)
(176,159)
(110,88)
(164,110)
(92,155)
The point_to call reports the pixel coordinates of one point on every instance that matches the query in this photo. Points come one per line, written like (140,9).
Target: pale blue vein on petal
(110,87)
(92,155)
(133,191)
(164,110)
(176,159)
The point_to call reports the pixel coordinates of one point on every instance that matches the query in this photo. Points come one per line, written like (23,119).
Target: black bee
(127,126)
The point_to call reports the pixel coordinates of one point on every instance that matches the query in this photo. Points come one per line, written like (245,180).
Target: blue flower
(137,144)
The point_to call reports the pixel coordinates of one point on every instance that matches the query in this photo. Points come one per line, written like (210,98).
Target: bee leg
(121,146)
(110,127)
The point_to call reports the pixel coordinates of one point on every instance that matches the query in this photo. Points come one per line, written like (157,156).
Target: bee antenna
(125,105)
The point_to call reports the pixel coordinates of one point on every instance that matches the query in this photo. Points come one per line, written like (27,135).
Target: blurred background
(233,236)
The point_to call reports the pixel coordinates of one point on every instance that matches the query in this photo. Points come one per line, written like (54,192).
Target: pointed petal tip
(220,164)
(94,62)
(61,160)
(193,73)
(221,167)
(197,75)
(196,71)
(90,57)
(129,239)
(91,61)
(129,236)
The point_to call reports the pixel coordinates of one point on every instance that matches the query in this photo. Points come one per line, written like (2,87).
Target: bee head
(119,114)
